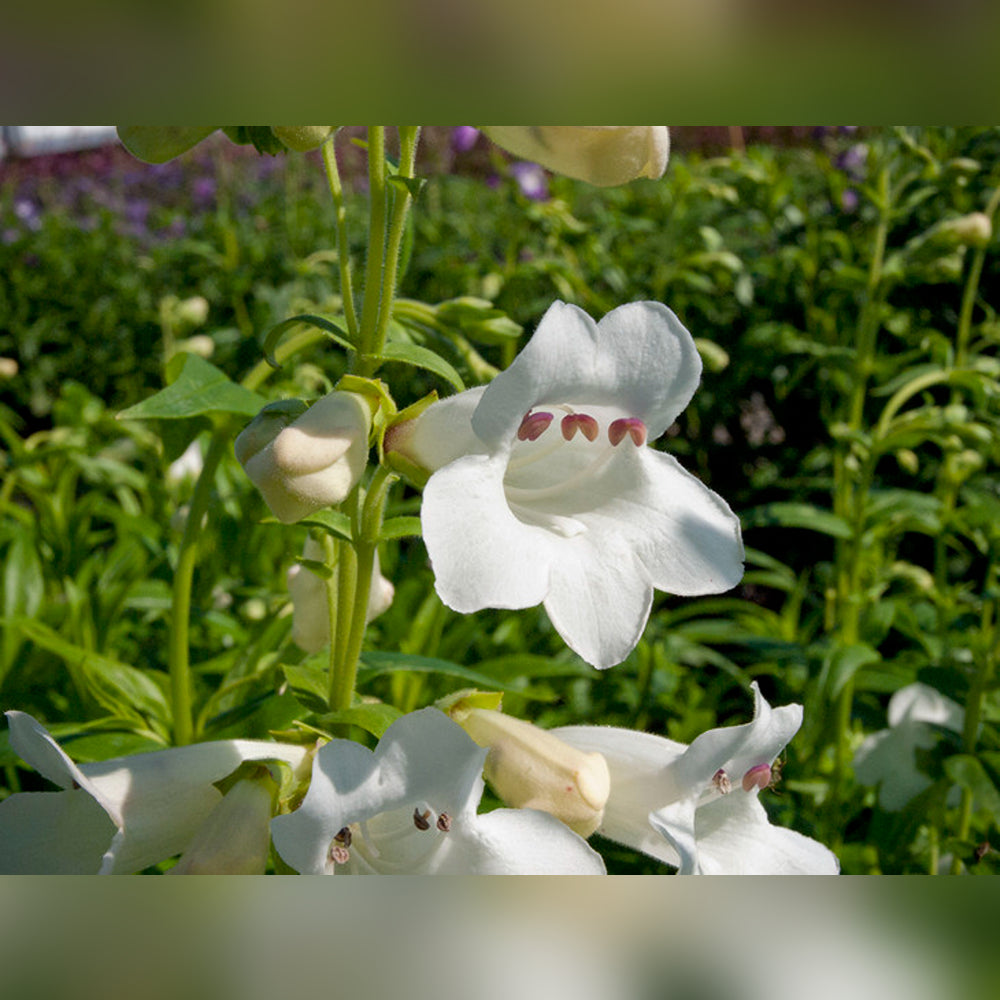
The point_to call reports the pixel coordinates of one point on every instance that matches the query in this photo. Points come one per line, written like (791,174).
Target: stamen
(632,426)
(758,776)
(421,820)
(533,425)
(721,782)
(344,836)
(339,854)
(582,422)
(444,822)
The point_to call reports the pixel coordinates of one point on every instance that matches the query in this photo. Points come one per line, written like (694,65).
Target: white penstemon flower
(409,808)
(544,489)
(605,155)
(919,717)
(122,815)
(697,806)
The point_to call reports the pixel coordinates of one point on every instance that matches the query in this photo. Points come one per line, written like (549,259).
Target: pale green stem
(178,651)
(971,288)
(331,552)
(375,264)
(343,249)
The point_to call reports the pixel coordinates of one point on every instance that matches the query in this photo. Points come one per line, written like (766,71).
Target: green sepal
(410,412)
(278,772)
(415,475)
(320,569)
(411,185)
(460,702)
(333,522)
(259,136)
(400,527)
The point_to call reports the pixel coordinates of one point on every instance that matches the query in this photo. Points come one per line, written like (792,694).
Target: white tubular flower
(310,616)
(116,816)
(918,718)
(697,806)
(531,768)
(544,488)
(409,808)
(604,155)
(302,461)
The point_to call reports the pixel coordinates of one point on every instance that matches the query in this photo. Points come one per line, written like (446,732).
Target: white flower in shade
(697,806)
(116,816)
(605,155)
(302,461)
(544,489)
(409,808)
(918,718)
(310,615)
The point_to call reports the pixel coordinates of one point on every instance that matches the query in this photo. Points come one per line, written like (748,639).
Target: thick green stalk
(971,288)
(375,264)
(178,652)
(343,249)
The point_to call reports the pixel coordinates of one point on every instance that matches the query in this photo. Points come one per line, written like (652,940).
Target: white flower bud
(235,836)
(310,617)
(302,138)
(530,768)
(605,155)
(974,229)
(8,367)
(192,312)
(314,460)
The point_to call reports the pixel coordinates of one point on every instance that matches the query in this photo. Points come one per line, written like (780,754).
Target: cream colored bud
(200,344)
(310,614)
(605,155)
(311,461)
(302,138)
(530,768)
(192,312)
(8,367)
(974,229)
(235,836)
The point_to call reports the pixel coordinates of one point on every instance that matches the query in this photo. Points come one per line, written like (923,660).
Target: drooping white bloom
(888,758)
(544,489)
(310,616)
(697,806)
(409,808)
(302,461)
(116,816)
(605,155)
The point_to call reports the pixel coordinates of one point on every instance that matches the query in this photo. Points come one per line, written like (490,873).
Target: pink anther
(533,426)
(632,426)
(758,776)
(582,422)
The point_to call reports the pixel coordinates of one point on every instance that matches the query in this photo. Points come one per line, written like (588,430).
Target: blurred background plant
(843,291)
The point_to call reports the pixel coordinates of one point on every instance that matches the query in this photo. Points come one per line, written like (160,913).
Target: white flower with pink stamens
(544,489)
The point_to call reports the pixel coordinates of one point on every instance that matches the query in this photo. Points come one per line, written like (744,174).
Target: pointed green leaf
(374,718)
(797,515)
(375,663)
(423,357)
(401,527)
(332,521)
(197,388)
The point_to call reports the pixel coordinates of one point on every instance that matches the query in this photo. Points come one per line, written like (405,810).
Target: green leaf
(374,718)
(375,663)
(197,388)
(115,686)
(401,527)
(797,515)
(334,522)
(423,357)
(411,185)
(844,663)
(337,334)
(967,772)
(309,684)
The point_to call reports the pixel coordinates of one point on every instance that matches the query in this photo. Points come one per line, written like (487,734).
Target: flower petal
(519,842)
(442,433)
(599,597)
(639,358)
(483,556)
(732,836)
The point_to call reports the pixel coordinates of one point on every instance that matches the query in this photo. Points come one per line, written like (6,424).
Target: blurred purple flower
(28,213)
(203,191)
(849,200)
(853,161)
(531,180)
(137,212)
(463,138)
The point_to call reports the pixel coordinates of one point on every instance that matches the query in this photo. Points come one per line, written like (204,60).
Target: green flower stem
(851,494)
(409,136)
(367,521)
(374,267)
(332,552)
(340,223)
(985,669)
(178,652)
(971,289)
